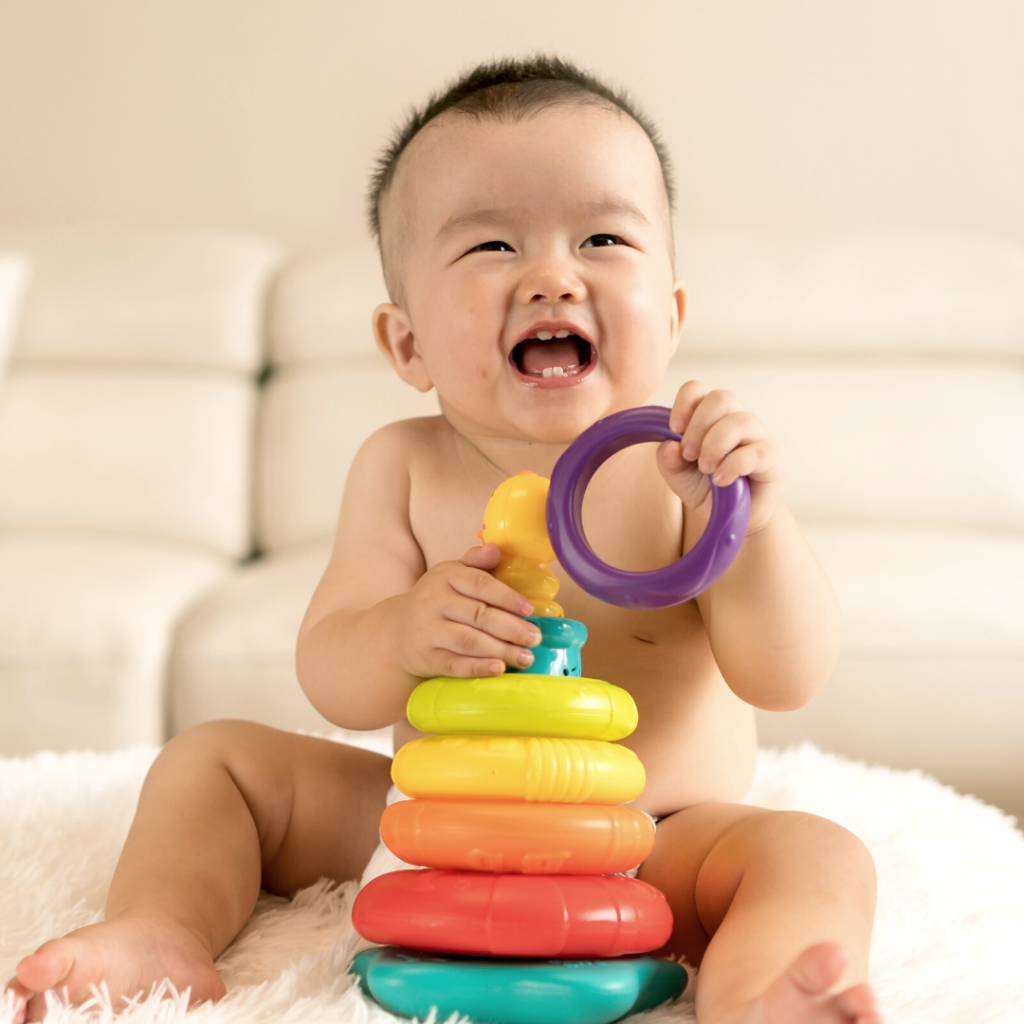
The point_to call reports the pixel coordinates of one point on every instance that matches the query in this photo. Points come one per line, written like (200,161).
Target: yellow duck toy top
(516,520)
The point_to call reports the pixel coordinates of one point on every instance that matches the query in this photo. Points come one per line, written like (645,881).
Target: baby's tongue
(536,356)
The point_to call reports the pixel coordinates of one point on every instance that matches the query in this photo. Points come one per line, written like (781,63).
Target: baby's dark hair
(509,89)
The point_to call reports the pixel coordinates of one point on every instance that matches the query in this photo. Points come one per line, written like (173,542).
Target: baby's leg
(776,908)
(226,807)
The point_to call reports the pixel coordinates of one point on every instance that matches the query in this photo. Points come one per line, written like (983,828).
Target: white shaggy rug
(949,937)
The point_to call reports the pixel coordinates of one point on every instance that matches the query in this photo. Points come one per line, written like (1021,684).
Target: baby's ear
(393,332)
(678,313)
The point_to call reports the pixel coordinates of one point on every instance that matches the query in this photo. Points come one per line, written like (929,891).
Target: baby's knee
(222,742)
(813,843)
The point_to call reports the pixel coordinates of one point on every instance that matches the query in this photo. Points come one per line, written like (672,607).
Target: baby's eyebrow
(600,207)
(473,217)
(614,205)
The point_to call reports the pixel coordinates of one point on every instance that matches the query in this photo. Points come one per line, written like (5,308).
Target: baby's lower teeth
(557,371)
(548,371)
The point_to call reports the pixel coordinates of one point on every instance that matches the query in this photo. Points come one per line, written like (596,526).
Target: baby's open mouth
(552,354)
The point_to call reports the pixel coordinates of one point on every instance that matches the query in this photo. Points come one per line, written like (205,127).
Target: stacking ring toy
(660,588)
(523,704)
(516,991)
(545,768)
(484,914)
(531,839)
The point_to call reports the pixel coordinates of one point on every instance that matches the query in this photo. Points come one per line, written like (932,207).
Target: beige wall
(265,114)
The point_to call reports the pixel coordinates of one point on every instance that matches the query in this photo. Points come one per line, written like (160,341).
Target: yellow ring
(543,768)
(522,704)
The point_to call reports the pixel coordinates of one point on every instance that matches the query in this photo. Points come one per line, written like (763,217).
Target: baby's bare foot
(801,994)
(131,954)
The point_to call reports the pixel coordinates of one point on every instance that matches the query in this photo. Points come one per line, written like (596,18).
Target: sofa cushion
(234,653)
(931,669)
(125,451)
(885,440)
(85,630)
(932,591)
(129,407)
(313,419)
(320,307)
(883,291)
(159,297)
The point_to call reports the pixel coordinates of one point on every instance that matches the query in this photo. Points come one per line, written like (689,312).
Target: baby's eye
(600,240)
(494,246)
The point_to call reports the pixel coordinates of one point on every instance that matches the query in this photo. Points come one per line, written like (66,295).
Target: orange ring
(525,838)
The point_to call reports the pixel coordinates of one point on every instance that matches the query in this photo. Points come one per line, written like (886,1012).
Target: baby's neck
(506,455)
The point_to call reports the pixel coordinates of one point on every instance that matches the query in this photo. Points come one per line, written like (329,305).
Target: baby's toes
(35,1009)
(47,967)
(15,997)
(818,967)
(859,1003)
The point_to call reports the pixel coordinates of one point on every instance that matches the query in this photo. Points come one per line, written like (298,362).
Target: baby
(524,225)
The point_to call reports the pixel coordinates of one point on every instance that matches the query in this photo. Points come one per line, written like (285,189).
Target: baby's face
(537,291)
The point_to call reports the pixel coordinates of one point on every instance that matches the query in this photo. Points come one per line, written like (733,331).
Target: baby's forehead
(459,159)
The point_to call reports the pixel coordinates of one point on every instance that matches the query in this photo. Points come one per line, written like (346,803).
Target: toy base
(410,983)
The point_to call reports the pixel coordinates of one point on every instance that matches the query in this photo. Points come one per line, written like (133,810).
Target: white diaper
(383,860)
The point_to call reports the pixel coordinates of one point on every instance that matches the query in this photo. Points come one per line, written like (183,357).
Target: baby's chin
(554,423)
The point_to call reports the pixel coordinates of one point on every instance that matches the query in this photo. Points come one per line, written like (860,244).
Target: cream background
(266,114)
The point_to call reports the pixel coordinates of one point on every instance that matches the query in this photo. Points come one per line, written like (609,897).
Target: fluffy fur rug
(948,946)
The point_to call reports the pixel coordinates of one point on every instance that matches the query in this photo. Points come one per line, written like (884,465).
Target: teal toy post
(559,650)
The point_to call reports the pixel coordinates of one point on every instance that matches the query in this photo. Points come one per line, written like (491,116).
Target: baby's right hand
(458,620)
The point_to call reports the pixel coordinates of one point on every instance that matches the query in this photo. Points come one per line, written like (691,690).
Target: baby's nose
(550,281)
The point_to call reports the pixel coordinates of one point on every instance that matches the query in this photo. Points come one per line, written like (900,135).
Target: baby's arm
(772,619)
(380,621)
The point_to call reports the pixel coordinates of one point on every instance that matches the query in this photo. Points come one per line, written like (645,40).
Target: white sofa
(135,480)
(126,447)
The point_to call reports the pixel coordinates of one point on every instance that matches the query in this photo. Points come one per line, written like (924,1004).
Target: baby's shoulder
(404,440)
(391,455)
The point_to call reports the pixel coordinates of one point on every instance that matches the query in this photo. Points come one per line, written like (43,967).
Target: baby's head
(524,222)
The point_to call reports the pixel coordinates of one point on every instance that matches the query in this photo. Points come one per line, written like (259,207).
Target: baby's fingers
(761,462)
(450,663)
(484,556)
(713,407)
(482,586)
(468,651)
(731,431)
(688,397)
(494,623)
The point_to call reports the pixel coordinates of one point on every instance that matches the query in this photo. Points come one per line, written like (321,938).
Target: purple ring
(660,588)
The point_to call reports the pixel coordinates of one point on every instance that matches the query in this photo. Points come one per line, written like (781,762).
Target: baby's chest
(630,517)
(446,526)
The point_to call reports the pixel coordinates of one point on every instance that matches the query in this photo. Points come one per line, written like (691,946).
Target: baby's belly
(694,751)
(696,739)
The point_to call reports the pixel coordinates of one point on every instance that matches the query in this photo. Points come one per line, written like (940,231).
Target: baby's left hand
(723,441)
